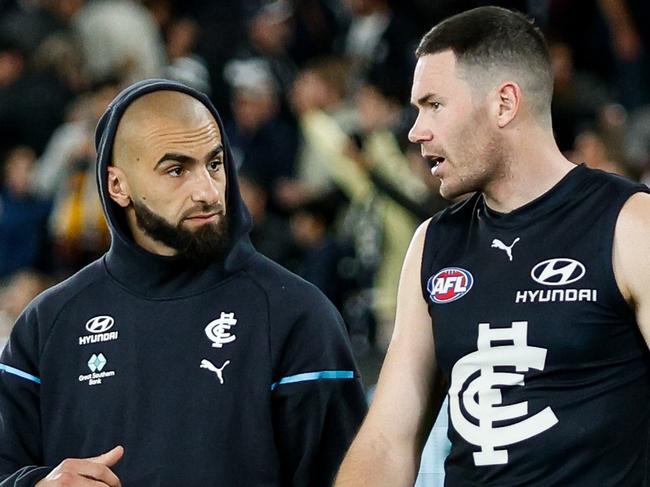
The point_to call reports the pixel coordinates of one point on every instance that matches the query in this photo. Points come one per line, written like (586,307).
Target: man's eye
(214,165)
(435,105)
(175,171)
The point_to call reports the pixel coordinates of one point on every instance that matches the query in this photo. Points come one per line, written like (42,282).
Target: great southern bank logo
(97,365)
(449,284)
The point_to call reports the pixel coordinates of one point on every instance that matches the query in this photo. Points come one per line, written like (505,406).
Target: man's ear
(508,101)
(118,187)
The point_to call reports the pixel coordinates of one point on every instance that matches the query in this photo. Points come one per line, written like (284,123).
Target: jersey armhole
(608,257)
(429,249)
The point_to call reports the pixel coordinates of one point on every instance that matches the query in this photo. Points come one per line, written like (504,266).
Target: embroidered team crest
(449,284)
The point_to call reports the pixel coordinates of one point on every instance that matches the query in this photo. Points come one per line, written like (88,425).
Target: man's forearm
(378,463)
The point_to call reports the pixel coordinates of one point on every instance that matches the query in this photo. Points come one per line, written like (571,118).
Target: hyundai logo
(558,272)
(100,324)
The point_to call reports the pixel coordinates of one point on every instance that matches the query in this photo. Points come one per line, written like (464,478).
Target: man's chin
(448,191)
(207,242)
(200,240)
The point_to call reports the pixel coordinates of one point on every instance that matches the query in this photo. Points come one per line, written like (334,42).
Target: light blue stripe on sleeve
(323,374)
(19,373)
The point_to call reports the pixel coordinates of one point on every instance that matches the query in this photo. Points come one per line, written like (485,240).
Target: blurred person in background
(15,294)
(270,234)
(119,38)
(184,63)
(321,259)
(262,141)
(637,143)
(317,28)
(33,98)
(591,148)
(629,44)
(67,176)
(577,95)
(269,32)
(376,223)
(24,242)
(320,87)
(32,22)
(379,36)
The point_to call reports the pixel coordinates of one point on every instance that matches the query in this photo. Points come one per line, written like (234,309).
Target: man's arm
(21,457)
(632,258)
(387,450)
(317,397)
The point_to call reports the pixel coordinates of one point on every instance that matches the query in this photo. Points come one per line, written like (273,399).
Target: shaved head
(168,173)
(141,122)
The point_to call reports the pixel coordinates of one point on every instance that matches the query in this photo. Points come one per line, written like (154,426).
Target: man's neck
(534,168)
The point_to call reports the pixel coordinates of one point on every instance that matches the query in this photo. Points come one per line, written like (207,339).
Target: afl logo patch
(449,284)
(100,324)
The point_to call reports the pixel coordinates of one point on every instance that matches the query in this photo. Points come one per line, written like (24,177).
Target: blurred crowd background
(314,95)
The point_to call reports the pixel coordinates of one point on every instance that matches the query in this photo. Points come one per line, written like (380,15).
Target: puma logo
(498,244)
(206,364)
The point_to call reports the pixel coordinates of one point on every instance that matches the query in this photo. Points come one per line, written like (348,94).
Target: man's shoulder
(611,181)
(56,297)
(275,278)
(283,287)
(459,209)
(455,216)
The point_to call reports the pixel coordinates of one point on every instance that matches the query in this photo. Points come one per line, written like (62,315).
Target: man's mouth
(203,217)
(434,162)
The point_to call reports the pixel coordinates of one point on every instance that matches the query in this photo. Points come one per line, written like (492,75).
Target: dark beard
(201,247)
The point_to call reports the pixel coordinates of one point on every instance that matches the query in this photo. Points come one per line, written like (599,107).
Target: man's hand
(85,472)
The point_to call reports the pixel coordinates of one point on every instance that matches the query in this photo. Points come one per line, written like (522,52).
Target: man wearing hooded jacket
(182,357)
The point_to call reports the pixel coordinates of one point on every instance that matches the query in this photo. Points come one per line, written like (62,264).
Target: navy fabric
(549,377)
(176,362)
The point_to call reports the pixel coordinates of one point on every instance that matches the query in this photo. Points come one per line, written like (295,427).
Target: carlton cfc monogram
(218,331)
(483,401)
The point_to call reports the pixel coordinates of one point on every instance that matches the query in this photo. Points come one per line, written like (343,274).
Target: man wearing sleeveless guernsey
(528,302)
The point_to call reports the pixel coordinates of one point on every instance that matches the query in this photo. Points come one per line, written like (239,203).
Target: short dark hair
(497,38)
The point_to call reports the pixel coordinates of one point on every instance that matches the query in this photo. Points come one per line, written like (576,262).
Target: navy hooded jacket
(237,373)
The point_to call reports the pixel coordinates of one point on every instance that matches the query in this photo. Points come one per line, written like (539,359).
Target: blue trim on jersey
(19,373)
(323,374)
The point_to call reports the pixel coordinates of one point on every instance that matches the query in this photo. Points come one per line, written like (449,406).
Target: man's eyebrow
(423,99)
(185,159)
(174,156)
(215,152)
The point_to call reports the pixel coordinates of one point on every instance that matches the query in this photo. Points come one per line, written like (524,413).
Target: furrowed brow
(175,156)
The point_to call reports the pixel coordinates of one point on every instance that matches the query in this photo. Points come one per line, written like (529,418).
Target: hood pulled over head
(124,251)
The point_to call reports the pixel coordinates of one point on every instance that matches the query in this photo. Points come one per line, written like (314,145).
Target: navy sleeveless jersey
(549,376)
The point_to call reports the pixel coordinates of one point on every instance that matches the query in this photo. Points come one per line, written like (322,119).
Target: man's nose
(206,189)
(420,132)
